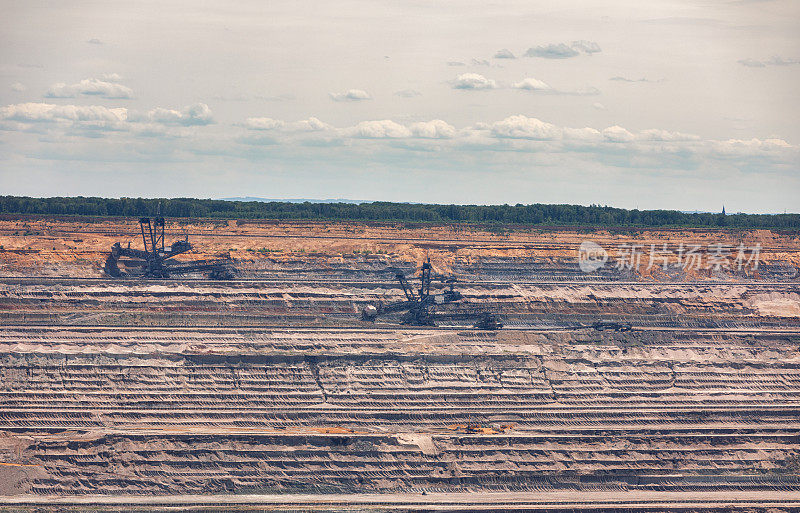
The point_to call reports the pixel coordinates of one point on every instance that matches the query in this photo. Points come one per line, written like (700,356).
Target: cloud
(274,132)
(311,124)
(194,115)
(408,93)
(47,112)
(83,115)
(352,95)
(587,47)
(618,134)
(455,63)
(90,87)
(263,123)
(752,63)
(522,127)
(60,124)
(382,129)
(740,147)
(94,41)
(531,84)
(18,87)
(480,62)
(519,139)
(552,51)
(434,129)
(655,134)
(773,61)
(505,53)
(538,86)
(473,81)
(563,50)
(625,79)
(111,77)
(517,133)
(599,106)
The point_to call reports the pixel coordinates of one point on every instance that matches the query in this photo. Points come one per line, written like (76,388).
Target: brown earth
(79,247)
(269,391)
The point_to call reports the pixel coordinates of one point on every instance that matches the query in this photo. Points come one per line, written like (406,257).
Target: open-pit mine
(641,384)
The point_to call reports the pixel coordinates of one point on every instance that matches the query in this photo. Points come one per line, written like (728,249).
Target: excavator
(154,262)
(419,304)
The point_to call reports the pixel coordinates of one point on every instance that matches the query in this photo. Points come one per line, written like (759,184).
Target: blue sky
(662,104)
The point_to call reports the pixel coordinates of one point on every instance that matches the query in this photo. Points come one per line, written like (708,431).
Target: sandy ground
(79,247)
(484,500)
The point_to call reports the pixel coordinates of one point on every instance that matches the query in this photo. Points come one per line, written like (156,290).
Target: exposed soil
(191,389)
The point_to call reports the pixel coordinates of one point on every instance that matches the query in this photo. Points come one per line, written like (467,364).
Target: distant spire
(723,209)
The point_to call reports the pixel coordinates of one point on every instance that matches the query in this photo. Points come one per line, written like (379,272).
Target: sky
(687,105)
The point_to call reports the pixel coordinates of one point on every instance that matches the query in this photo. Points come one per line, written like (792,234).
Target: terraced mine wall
(88,302)
(140,412)
(269,391)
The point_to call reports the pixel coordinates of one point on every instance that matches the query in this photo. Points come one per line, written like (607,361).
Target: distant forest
(537,214)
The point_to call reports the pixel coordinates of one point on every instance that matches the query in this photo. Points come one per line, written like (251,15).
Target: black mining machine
(419,305)
(154,262)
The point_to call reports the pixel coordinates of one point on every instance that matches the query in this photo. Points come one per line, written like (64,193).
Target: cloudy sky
(680,104)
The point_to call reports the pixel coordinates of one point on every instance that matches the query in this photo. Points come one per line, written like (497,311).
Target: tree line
(535,214)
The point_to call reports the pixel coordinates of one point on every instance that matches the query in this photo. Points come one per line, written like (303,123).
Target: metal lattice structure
(155,261)
(419,305)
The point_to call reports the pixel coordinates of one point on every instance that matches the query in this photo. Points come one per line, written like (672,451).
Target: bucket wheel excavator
(155,261)
(420,304)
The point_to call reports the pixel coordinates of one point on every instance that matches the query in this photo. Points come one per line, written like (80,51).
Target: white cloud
(582,134)
(47,112)
(455,63)
(311,124)
(197,114)
(434,129)
(505,53)
(263,123)
(535,85)
(740,147)
(94,41)
(599,106)
(382,129)
(617,134)
(531,84)
(552,51)
(563,50)
(625,79)
(523,127)
(90,87)
(352,95)
(587,47)
(24,116)
(18,87)
(473,81)
(528,137)
(655,134)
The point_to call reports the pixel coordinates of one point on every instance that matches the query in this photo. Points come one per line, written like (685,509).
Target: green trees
(537,214)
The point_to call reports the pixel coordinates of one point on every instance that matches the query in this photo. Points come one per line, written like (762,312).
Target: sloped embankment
(88,411)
